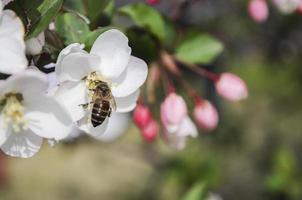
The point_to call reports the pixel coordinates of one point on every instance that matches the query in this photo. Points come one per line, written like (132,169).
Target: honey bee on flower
(108,68)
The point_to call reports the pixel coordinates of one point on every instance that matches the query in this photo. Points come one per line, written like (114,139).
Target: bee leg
(85,105)
(109,114)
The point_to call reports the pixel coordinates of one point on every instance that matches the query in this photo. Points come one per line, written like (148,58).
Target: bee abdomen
(100,111)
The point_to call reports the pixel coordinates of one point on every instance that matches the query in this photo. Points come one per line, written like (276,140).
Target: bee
(102,103)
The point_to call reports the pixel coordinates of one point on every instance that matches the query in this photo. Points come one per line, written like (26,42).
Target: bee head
(104,89)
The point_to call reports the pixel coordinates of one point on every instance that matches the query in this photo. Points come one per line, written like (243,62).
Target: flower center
(93,79)
(13,111)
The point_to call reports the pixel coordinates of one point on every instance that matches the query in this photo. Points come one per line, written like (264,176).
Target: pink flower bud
(231,87)
(141,116)
(172,111)
(152,2)
(299,9)
(206,115)
(258,10)
(149,132)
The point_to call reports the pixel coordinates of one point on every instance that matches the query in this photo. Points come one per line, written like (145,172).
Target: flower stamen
(93,79)
(13,111)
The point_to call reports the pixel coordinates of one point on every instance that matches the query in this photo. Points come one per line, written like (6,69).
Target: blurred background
(254,154)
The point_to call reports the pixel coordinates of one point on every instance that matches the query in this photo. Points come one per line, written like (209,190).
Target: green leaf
(199,49)
(284,173)
(37,14)
(72,28)
(109,10)
(142,45)
(197,192)
(145,17)
(90,8)
(75,6)
(95,7)
(170,35)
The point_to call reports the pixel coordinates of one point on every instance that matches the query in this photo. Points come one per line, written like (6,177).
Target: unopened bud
(150,131)
(152,2)
(231,87)
(35,45)
(206,115)
(258,10)
(172,111)
(141,116)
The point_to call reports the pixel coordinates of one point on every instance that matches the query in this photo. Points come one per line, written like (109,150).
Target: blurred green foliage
(36,15)
(198,48)
(145,17)
(197,192)
(285,176)
(72,28)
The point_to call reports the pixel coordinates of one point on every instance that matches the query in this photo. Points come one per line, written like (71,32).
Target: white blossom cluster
(36,106)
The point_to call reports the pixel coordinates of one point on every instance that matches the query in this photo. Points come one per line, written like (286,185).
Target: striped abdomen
(100,110)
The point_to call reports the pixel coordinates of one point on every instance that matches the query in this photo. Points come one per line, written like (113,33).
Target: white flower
(34,46)
(117,126)
(51,78)
(5,2)
(73,134)
(12,48)
(27,115)
(178,138)
(110,61)
(287,6)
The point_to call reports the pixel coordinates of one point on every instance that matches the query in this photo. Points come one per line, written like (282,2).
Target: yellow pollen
(92,80)
(13,112)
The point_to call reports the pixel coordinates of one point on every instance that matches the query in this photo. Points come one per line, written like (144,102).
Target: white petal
(47,118)
(52,81)
(49,66)
(131,79)
(11,26)
(1,8)
(52,91)
(12,48)
(34,46)
(72,48)
(29,82)
(172,128)
(74,133)
(12,56)
(76,66)
(128,103)
(71,95)
(4,130)
(86,126)
(24,144)
(112,47)
(118,123)
(187,128)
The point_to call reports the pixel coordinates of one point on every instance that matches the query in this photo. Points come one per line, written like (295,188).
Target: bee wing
(112,103)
